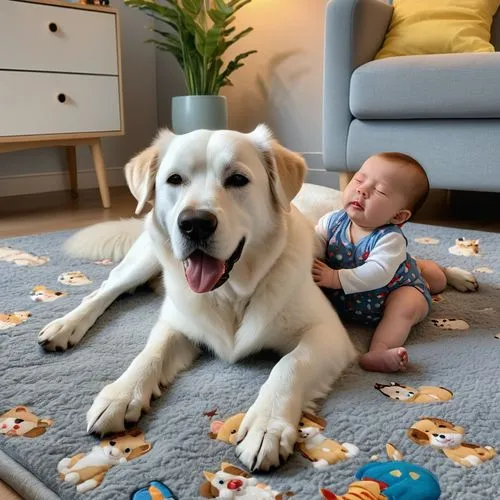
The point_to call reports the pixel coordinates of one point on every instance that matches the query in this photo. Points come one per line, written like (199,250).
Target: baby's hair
(420,190)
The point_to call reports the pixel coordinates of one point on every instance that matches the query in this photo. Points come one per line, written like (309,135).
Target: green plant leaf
(199,34)
(192,7)
(241,34)
(223,7)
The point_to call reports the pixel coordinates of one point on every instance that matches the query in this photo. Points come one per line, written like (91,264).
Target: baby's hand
(325,276)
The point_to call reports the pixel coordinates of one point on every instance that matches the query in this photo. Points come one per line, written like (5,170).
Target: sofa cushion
(439,27)
(427,86)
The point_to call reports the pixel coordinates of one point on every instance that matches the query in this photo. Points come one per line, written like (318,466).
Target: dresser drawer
(81,41)
(29,103)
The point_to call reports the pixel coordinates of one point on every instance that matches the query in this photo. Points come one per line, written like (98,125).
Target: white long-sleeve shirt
(378,269)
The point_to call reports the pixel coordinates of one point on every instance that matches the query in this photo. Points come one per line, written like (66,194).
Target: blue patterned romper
(365,307)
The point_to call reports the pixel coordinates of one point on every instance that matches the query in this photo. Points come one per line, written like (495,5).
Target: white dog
(237,259)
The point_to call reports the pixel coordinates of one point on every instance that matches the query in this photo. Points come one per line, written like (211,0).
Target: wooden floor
(31,214)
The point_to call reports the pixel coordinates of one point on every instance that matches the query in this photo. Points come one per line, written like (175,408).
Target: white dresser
(60,79)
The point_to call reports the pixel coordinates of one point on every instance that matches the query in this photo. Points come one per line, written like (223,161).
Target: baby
(368,274)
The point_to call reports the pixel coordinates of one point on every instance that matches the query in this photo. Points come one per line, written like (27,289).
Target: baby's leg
(433,275)
(404,308)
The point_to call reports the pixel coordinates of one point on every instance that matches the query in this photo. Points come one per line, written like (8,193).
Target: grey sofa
(442,109)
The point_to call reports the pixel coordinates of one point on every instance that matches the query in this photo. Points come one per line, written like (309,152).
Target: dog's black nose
(197,224)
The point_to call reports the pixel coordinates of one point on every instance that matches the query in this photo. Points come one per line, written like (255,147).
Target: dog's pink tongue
(203,272)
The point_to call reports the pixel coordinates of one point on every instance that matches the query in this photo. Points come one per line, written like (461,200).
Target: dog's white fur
(270,300)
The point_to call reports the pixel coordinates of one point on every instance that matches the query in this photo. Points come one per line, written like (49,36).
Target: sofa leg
(344,179)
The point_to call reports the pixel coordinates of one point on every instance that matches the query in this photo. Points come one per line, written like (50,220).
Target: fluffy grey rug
(58,388)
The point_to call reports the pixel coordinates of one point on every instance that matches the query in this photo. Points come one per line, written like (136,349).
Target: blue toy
(404,481)
(155,490)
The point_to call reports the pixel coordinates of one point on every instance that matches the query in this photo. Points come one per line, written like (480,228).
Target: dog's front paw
(61,334)
(462,280)
(265,440)
(118,403)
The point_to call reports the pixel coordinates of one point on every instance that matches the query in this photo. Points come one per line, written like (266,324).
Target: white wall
(38,170)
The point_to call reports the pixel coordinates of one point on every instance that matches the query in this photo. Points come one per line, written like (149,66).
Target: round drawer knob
(61,97)
(53,27)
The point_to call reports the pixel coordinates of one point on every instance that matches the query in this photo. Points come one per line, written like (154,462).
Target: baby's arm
(378,269)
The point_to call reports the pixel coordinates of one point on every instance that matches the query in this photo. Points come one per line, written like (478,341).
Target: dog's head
(215,195)
(310,426)
(125,446)
(394,390)
(226,430)
(19,421)
(436,432)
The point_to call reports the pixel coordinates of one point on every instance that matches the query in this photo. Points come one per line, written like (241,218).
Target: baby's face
(377,193)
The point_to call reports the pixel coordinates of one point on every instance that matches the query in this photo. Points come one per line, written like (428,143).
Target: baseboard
(45,182)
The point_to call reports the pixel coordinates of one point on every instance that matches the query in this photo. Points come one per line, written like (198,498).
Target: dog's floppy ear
(140,171)
(285,168)
(418,436)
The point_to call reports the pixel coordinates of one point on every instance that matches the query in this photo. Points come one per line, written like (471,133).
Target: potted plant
(198,33)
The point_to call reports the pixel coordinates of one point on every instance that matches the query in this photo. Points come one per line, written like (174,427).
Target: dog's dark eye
(174,180)
(236,180)
(18,421)
(112,443)
(127,450)
(233,431)
(221,481)
(301,424)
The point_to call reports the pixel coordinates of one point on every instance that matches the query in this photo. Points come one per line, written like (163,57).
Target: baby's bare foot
(392,360)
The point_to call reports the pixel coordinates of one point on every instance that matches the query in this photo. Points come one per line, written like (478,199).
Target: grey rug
(61,386)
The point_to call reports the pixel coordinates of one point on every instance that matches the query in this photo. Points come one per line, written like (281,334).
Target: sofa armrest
(354,32)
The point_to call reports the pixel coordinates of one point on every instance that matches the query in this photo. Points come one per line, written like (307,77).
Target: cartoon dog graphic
(41,293)
(21,258)
(465,247)
(19,421)
(233,482)
(226,430)
(74,278)
(320,450)
(87,471)
(448,438)
(407,394)
(10,320)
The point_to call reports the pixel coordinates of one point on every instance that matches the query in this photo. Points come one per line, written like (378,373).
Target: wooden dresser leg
(71,164)
(344,179)
(96,150)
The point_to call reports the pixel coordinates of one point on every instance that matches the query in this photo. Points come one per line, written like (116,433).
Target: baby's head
(388,188)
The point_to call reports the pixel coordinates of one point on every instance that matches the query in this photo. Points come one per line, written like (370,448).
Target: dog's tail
(106,240)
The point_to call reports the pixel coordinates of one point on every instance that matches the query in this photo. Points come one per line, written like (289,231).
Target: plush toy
(393,480)
(41,293)
(233,482)
(155,490)
(465,247)
(448,438)
(320,450)
(87,470)
(390,481)
(407,394)
(311,443)
(19,421)
(10,320)
(21,258)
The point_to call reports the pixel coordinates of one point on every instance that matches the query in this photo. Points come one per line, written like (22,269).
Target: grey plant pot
(192,112)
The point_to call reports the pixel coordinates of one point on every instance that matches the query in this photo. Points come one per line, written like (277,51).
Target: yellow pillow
(439,27)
